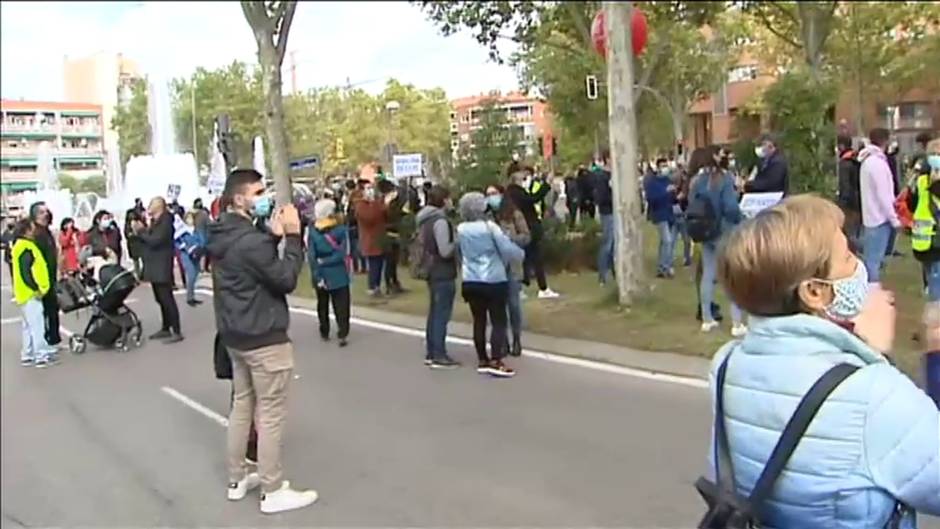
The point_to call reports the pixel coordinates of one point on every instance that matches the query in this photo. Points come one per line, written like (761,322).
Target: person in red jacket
(69,245)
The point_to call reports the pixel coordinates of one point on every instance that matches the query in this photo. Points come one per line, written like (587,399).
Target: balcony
(79,151)
(81,130)
(14,177)
(33,150)
(29,129)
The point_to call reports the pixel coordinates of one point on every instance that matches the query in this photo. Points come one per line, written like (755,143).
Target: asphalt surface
(99,441)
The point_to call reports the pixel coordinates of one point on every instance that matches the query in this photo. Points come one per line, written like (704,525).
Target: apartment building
(74,132)
(103,79)
(529,115)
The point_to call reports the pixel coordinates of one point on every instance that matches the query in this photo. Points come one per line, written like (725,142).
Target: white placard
(405,165)
(754,203)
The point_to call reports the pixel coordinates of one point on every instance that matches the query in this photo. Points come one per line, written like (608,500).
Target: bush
(571,251)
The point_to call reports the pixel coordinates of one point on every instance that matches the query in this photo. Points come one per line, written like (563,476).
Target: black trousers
(488,302)
(169,313)
(534,263)
(392,257)
(588,210)
(340,300)
(50,312)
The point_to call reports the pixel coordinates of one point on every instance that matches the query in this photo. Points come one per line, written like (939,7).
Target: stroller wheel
(121,345)
(76,345)
(137,336)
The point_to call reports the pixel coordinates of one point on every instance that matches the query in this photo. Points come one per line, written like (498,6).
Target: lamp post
(192,103)
(390,108)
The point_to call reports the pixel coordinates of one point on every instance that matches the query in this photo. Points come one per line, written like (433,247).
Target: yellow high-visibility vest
(925,220)
(21,292)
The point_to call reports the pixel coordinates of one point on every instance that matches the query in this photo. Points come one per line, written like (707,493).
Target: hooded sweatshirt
(444,267)
(877,186)
(251,283)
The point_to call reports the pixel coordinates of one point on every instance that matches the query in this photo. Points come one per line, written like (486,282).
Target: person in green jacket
(330,259)
(31,282)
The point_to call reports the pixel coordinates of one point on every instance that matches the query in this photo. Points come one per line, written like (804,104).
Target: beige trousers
(260,379)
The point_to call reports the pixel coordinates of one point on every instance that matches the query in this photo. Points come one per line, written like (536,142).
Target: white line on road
(7,321)
(205,411)
(549,357)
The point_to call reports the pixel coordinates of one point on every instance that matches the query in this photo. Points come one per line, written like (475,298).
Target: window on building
(742,73)
(911,115)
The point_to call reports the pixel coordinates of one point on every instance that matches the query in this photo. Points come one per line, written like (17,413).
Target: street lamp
(391,108)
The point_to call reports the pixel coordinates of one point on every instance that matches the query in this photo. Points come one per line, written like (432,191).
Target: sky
(364,42)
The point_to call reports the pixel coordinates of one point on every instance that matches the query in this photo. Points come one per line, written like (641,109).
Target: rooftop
(14,105)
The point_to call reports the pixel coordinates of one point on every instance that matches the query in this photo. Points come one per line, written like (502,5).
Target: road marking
(541,355)
(192,404)
(7,321)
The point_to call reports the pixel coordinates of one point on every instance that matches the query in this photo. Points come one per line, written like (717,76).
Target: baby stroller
(112,323)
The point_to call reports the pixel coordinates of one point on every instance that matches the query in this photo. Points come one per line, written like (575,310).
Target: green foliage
(92,184)
(571,251)
(493,142)
(798,105)
(132,124)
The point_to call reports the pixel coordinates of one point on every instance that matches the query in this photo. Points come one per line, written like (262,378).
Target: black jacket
(586,186)
(772,177)
(101,241)
(526,201)
(850,194)
(251,283)
(603,193)
(157,249)
(134,246)
(50,252)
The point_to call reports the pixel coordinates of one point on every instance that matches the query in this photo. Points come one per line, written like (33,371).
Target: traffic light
(590,83)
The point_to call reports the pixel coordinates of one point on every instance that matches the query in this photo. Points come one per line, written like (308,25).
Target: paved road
(99,441)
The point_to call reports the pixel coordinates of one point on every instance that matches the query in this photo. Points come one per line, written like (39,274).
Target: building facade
(74,132)
(529,115)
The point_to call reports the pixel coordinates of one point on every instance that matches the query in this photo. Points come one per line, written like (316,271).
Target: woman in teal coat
(328,254)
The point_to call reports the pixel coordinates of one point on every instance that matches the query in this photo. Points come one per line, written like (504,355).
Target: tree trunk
(274,121)
(622,118)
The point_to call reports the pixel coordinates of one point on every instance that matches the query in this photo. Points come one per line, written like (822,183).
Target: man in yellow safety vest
(31,282)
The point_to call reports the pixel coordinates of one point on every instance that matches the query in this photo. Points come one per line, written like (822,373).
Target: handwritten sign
(173,192)
(754,203)
(405,165)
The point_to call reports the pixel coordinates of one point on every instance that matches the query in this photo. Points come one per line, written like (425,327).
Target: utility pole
(622,116)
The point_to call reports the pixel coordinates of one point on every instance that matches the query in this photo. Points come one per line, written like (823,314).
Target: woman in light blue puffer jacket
(874,445)
(485,254)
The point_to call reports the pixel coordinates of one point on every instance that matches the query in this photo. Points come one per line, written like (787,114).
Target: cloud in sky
(365,42)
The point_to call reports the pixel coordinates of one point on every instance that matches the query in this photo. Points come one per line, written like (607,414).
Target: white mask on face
(849,294)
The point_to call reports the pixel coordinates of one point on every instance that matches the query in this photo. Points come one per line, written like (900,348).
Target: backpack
(702,220)
(420,256)
(729,510)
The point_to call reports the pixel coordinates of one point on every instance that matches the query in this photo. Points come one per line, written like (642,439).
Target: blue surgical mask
(849,295)
(494,201)
(934,161)
(262,206)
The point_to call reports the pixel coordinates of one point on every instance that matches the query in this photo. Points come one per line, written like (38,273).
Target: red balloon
(638,27)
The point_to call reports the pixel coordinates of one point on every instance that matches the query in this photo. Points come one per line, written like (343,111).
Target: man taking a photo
(251,283)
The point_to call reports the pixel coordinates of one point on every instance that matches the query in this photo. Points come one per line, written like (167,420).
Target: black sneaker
(324,337)
(501,370)
(516,349)
(444,363)
(427,360)
(192,302)
(173,338)
(343,342)
(160,335)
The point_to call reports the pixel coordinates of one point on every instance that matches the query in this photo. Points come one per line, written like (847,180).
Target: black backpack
(726,508)
(702,221)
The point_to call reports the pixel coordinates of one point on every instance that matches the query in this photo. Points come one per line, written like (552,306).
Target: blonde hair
(766,258)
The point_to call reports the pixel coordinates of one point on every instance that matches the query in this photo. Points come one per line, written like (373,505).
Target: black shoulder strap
(795,429)
(724,472)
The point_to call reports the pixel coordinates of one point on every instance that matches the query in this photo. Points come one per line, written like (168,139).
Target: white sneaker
(548,294)
(709,326)
(238,491)
(287,499)
(739,330)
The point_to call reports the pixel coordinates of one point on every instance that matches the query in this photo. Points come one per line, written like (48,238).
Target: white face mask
(849,294)
(759,151)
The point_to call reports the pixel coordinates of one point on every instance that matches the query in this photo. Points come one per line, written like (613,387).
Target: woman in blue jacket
(872,452)
(660,199)
(714,184)
(328,247)
(485,255)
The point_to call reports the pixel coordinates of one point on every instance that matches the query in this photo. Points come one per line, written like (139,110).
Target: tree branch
(256,15)
(768,24)
(657,54)
(782,10)
(284,30)
(575,14)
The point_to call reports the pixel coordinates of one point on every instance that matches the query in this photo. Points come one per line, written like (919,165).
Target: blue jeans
(442,294)
(605,253)
(375,265)
(681,229)
(876,247)
(515,308)
(191,268)
(932,274)
(707,287)
(35,346)
(666,248)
